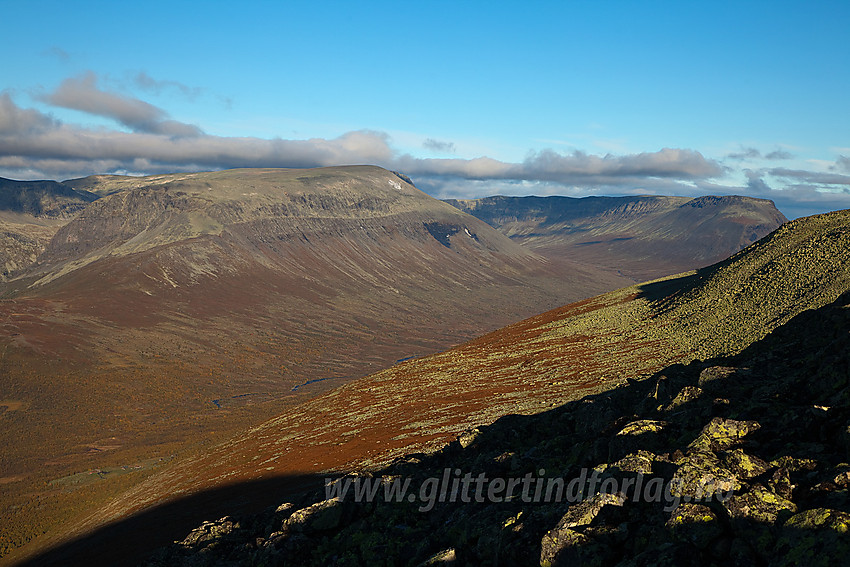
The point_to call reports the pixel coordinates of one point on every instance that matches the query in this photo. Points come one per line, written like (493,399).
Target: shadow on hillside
(129,541)
(666,291)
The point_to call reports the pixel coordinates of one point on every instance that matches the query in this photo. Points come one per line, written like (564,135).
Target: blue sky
(468,98)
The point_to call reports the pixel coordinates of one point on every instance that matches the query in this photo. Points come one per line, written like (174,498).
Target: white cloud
(811,177)
(162,145)
(82,93)
(16,121)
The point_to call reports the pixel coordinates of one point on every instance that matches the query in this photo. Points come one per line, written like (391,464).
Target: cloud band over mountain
(34,144)
(33,140)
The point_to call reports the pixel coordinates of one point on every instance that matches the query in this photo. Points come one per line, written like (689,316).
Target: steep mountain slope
(180,308)
(560,356)
(643,237)
(30,214)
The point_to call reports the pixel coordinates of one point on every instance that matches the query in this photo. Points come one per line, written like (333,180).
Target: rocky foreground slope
(741,460)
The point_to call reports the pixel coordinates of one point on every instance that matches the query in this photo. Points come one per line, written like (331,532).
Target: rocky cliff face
(30,214)
(42,198)
(644,237)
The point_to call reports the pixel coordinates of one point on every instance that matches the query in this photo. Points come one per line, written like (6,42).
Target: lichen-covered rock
(817,537)
(794,464)
(322,516)
(643,434)
(753,516)
(694,523)
(566,545)
(714,374)
(468,437)
(584,512)
(721,434)
(687,394)
(760,505)
(700,477)
(780,483)
(639,462)
(210,533)
(842,475)
(642,426)
(743,465)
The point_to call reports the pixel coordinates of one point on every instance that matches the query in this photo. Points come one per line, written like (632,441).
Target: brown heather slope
(643,237)
(177,309)
(548,360)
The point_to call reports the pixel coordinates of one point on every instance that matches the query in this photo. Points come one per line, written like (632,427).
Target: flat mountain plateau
(643,237)
(581,385)
(148,319)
